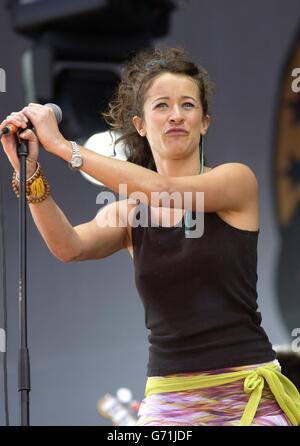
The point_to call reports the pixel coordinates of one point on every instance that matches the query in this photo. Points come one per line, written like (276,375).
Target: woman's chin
(177,148)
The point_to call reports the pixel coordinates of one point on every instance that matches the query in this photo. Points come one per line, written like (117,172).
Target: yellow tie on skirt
(284,391)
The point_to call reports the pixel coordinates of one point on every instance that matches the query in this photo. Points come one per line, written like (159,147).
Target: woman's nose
(176,115)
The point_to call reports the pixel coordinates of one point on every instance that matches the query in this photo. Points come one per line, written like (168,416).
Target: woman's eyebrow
(167,97)
(162,97)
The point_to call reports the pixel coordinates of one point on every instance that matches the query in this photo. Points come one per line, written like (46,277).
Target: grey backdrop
(86,323)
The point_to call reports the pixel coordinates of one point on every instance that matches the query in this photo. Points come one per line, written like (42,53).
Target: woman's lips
(176,132)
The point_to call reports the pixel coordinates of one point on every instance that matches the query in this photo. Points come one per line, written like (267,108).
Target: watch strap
(76,155)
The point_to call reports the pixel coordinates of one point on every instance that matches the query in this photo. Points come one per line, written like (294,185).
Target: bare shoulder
(238,179)
(247,218)
(245,172)
(235,170)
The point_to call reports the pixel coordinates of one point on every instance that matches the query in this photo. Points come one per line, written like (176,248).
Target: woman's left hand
(46,127)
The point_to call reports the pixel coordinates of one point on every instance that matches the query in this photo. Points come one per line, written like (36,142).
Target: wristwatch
(76,161)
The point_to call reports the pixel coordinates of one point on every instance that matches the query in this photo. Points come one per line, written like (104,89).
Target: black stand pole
(24,366)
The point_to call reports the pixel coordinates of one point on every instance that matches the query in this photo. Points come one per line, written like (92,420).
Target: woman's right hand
(10,146)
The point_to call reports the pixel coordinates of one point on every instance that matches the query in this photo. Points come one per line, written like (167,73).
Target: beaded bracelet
(37,187)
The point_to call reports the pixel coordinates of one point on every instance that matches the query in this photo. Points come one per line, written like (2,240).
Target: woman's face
(173,119)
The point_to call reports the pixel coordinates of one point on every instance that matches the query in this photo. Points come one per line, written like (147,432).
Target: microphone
(11,129)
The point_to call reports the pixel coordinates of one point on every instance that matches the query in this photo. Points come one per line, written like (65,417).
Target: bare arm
(56,230)
(91,240)
(105,234)
(230,186)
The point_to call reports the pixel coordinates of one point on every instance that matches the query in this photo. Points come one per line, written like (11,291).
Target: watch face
(77,161)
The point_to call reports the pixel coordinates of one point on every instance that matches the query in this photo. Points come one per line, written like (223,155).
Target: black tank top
(199,296)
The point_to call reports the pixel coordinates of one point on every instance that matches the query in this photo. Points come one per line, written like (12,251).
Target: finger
(20,115)
(28,135)
(9,121)
(33,107)
(17,121)
(36,112)
(33,104)
(31,111)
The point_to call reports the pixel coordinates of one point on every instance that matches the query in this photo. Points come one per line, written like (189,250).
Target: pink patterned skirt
(214,406)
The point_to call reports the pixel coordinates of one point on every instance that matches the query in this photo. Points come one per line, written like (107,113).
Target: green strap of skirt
(284,391)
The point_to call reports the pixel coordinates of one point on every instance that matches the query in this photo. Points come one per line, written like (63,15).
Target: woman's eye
(165,105)
(162,105)
(188,104)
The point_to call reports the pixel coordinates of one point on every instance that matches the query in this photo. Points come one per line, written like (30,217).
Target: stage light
(77,50)
(104,144)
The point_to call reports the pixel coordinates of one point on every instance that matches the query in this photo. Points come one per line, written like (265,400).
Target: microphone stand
(23,359)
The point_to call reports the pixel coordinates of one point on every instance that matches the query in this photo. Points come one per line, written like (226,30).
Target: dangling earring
(202,154)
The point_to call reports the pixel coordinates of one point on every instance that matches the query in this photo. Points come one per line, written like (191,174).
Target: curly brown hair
(137,77)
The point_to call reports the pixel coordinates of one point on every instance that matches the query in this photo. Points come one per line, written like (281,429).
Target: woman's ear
(138,124)
(205,124)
